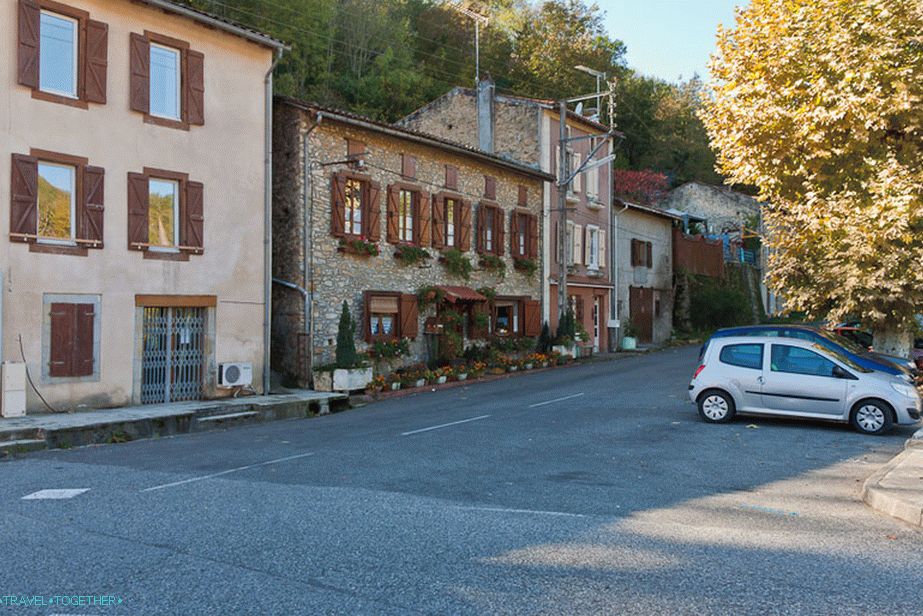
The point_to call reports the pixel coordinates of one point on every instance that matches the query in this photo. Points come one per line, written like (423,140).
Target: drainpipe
(267,222)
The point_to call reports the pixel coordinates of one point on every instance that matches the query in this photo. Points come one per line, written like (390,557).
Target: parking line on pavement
(547,402)
(528,511)
(454,423)
(227,472)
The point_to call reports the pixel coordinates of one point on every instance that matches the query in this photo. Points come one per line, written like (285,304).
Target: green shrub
(457,263)
(715,303)
(346,356)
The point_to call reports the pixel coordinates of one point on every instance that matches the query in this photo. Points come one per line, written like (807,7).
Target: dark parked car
(822,337)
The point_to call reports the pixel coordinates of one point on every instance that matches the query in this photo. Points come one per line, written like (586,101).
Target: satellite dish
(579,109)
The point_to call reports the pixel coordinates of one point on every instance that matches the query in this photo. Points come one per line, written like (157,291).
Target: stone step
(8,448)
(214,419)
(8,435)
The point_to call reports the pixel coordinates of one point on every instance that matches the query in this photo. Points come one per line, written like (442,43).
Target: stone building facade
(351,193)
(644,280)
(527,130)
(720,208)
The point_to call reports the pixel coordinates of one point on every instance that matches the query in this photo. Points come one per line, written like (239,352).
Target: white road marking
(454,423)
(547,402)
(528,511)
(55,494)
(227,472)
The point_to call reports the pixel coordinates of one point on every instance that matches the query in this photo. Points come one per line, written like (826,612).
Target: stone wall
(339,276)
(721,207)
(454,117)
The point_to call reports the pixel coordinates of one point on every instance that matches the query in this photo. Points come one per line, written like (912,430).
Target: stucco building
(644,280)
(527,130)
(132,249)
(376,215)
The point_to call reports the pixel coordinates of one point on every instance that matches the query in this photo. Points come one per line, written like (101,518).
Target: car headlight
(908,391)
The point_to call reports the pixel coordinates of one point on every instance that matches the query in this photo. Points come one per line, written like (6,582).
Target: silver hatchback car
(798,378)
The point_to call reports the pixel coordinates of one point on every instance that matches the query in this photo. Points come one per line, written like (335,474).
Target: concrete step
(8,448)
(227,417)
(9,435)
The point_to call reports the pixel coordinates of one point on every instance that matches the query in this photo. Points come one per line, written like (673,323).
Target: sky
(668,38)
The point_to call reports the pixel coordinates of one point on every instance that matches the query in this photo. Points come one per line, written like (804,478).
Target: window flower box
(358,246)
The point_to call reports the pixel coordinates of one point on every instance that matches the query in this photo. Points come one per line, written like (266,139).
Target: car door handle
(760,380)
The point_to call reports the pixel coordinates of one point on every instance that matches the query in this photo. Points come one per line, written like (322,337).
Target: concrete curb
(891,492)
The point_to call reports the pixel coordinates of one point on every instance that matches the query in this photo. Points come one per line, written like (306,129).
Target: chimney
(486,114)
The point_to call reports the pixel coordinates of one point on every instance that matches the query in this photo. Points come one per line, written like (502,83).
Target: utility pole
(564,181)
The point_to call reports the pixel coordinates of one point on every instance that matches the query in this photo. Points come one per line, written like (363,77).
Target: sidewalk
(897,488)
(65,430)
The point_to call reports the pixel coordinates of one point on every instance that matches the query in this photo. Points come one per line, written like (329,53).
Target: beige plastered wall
(226,155)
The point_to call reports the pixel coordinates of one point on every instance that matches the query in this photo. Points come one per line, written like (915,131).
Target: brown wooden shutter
(474,331)
(634,253)
(650,254)
(83,358)
(464,226)
(97,62)
(337,206)
(533,237)
(439,221)
(29,25)
(393,236)
(373,232)
(138,203)
(140,85)
(514,232)
(91,213)
(194,83)
(408,166)
(354,149)
(63,319)
(523,196)
(195,216)
(532,317)
(409,316)
(499,230)
(490,187)
(425,236)
(24,198)
(451,177)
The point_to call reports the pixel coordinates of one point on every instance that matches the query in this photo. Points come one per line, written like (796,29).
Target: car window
(743,355)
(800,334)
(844,343)
(795,360)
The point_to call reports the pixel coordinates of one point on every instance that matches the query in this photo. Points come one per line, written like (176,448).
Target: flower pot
(528,366)
(420,383)
(395,386)
(629,343)
(463,376)
(513,368)
(544,364)
(565,351)
(441,380)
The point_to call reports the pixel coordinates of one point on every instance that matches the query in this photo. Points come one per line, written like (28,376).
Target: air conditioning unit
(237,374)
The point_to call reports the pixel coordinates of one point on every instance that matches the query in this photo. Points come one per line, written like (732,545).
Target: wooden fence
(697,255)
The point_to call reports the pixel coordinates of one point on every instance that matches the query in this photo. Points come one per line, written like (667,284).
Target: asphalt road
(586,490)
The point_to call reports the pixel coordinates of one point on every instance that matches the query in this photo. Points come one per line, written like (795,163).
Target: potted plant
(348,373)
(565,339)
(461,372)
(395,382)
(630,337)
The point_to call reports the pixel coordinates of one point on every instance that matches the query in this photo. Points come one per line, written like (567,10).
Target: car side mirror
(840,373)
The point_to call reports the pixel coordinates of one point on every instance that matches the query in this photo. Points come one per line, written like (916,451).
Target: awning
(461,294)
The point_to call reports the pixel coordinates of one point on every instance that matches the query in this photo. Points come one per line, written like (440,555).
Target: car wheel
(871,417)
(716,406)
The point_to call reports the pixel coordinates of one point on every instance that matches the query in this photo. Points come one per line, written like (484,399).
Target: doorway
(641,312)
(173,361)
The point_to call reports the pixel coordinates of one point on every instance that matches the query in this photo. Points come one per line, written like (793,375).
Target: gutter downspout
(267,222)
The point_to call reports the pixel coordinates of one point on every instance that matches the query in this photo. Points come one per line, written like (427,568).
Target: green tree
(818,104)
(346,355)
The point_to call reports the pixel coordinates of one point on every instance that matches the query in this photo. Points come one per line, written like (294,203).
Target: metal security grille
(173,365)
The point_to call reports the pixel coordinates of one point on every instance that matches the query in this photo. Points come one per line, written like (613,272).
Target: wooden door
(641,312)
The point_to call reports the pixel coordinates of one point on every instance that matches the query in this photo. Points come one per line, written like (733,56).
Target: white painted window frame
(71,241)
(76,64)
(179,80)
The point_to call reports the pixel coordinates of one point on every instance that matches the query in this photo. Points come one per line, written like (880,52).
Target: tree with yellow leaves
(819,104)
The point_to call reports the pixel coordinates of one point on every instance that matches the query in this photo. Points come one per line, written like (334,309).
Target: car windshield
(841,357)
(844,342)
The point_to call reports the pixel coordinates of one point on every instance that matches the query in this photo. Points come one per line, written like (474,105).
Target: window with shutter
(578,244)
(72,346)
(490,229)
(382,316)
(451,177)
(408,166)
(62,53)
(506,317)
(167,81)
(490,187)
(166,215)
